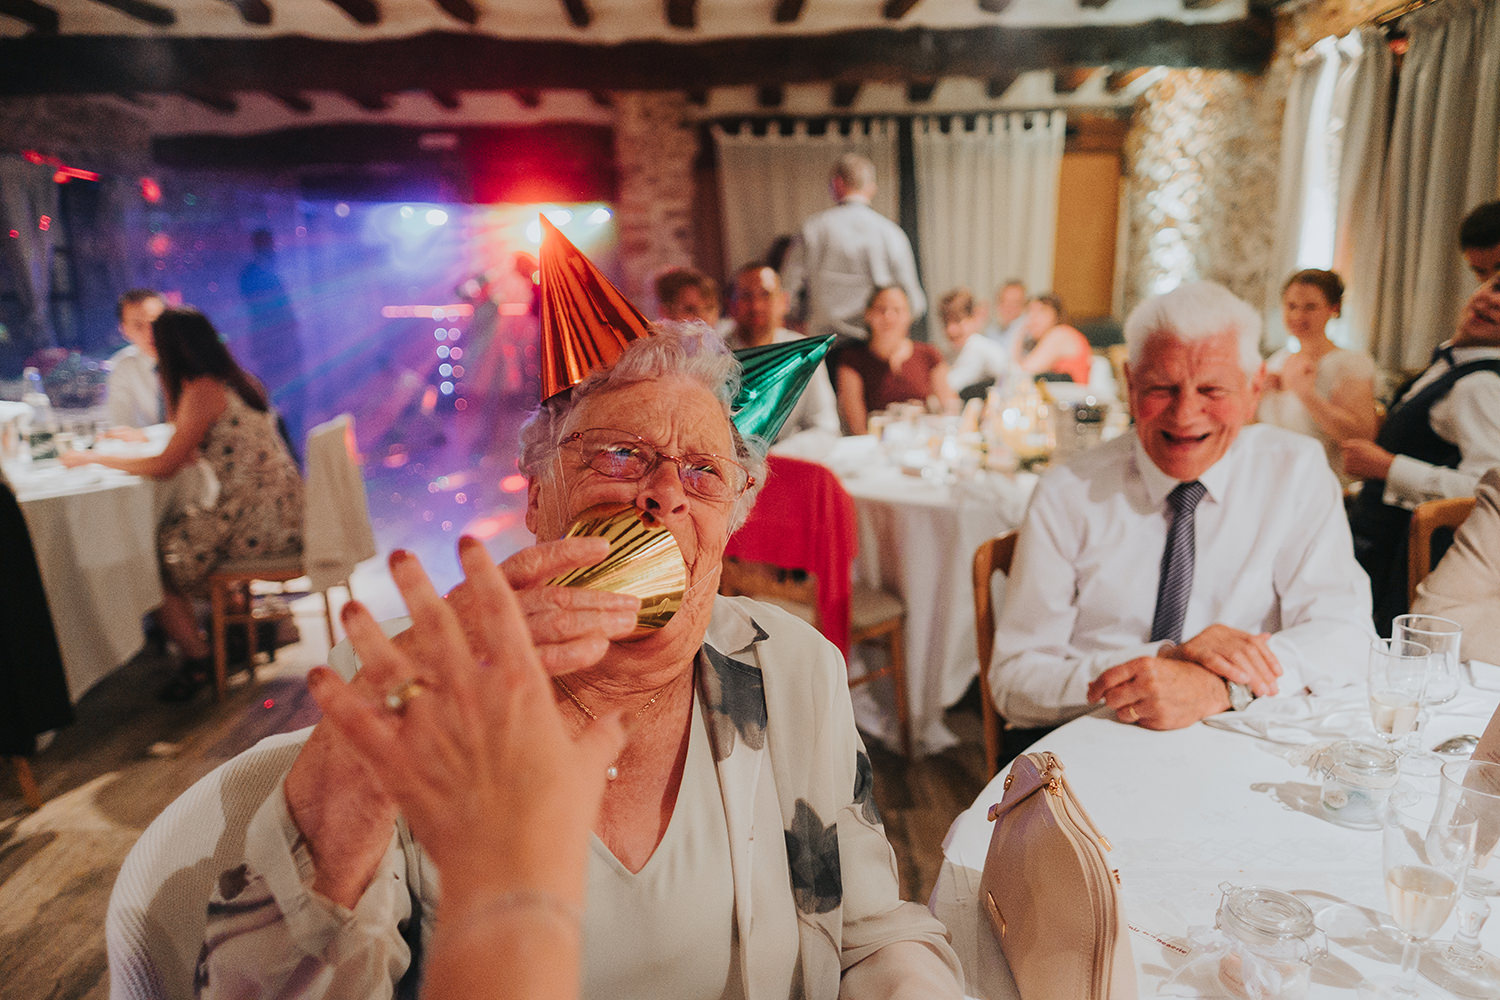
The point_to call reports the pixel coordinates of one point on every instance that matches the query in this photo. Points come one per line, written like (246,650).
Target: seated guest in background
(1049,344)
(1465,584)
(1010,314)
(758,306)
(743,781)
(254,506)
(1321,389)
(683,293)
(978,362)
(890,367)
(1479,240)
(1190,567)
(133,392)
(1441,435)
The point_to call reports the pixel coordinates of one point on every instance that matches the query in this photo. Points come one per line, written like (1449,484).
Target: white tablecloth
(1185,811)
(917,539)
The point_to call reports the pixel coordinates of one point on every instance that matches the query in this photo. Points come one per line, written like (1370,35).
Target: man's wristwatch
(1240,696)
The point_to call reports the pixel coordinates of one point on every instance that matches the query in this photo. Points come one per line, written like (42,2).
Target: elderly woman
(890,367)
(737,851)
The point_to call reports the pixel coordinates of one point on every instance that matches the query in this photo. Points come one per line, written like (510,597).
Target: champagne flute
(1398,676)
(1462,968)
(1443,637)
(1424,857)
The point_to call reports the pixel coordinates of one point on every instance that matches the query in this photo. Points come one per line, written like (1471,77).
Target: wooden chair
(1425,519)
(331,459)
(994,556)
(781,556)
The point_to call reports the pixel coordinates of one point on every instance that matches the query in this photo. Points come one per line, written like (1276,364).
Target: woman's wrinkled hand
(476,754)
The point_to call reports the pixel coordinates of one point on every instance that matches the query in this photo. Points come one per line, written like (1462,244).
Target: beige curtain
(1445,144)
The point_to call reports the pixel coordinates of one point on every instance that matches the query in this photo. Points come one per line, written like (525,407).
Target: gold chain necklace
(613,771)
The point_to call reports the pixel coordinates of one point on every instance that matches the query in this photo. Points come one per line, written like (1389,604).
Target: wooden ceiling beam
(845,92)
(682,13)
(41,19)
(461,11)
(366,12)
(1119,79)
(145,11)
(788,11)
(256,12)
(74,64)
(579,15)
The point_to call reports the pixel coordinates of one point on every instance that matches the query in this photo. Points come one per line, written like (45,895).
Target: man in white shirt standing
(1190,567)
(133,393)
(846,252)
(1441,434)
(758,306)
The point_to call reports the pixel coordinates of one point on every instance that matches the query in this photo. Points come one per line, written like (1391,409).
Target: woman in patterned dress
(253,504)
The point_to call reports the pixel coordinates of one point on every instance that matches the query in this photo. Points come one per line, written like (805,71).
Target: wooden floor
(128,756)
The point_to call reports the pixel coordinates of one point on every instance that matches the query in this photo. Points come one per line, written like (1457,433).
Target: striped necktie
(1176,563)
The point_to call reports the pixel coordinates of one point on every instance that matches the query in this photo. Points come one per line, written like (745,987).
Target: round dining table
(1189,810)
(918,529)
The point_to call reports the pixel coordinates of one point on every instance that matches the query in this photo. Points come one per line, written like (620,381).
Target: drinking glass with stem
(1398,677)
(1473,787)
(1424,856)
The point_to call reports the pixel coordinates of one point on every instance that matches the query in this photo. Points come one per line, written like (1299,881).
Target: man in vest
(1440,437)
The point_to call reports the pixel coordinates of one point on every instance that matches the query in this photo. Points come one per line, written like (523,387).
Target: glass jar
(1272,943)
(1357,781)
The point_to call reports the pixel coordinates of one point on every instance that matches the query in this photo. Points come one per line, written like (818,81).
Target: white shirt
(812,428)
(133,391)
(842,255)
(979,358)
(1273,555)
(1469,417)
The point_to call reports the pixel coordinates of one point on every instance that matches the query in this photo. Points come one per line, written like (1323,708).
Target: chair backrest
(336,535)
(993,556)
(803,521)
(1425,520)
(159,905)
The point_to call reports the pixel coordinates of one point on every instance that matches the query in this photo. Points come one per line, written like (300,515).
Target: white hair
(1194,311)
(692,350)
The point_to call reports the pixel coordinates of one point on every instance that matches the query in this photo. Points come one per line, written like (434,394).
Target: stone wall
(655,146)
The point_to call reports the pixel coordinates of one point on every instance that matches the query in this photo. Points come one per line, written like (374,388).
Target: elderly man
(846,252)
(758,306)
(1257,590)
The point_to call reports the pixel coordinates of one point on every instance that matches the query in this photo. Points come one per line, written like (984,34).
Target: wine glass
(1398,676)
(1424,857)
(1443,637)
(1472,786)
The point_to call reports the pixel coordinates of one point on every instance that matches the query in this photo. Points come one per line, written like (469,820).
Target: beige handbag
(1051,898)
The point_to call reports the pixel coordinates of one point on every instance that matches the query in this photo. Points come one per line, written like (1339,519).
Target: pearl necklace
(613,771)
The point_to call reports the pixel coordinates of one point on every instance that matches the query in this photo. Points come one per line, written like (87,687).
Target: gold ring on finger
(396,698)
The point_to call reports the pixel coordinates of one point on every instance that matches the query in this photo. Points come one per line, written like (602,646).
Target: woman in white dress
(1318,389)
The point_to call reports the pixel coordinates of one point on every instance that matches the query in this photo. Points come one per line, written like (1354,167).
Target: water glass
(1444,638)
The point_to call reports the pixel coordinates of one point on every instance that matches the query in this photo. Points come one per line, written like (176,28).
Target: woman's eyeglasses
(624,456)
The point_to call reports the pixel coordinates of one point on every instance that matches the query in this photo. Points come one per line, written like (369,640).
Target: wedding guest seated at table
(1465,584)
(252,505)
(1188,568)
(743,782)
(683,293)
(133,392)
(978,362)
(758,306)
(890,367)
(1048,345)
(1321,389)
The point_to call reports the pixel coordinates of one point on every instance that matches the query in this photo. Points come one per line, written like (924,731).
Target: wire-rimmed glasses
(621,455)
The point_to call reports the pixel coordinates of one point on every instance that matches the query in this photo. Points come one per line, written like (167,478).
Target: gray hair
(1194,311)
(855,171)
(690,350)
